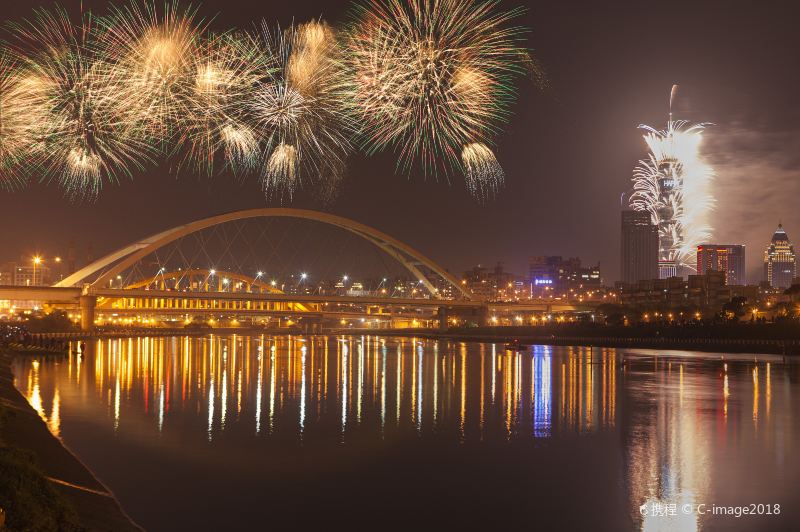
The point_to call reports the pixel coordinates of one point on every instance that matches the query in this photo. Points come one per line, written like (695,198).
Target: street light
(36,261)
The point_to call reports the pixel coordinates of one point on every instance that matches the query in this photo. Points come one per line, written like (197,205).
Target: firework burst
(673,185)
(226,71)
(157,53)
(15,128)
(433,79)
(78,128)
(297,110)
(83,103)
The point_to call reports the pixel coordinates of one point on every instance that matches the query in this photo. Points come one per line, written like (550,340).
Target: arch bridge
(198,292)
(104,270)
(98,290)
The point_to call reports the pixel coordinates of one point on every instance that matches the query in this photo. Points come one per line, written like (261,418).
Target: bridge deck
(72,295)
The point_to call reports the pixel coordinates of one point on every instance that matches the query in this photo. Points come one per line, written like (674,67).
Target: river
(255,432)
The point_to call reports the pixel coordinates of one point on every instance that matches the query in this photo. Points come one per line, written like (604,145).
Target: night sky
(568,151)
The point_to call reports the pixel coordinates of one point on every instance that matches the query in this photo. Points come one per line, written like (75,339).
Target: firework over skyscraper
(673,185)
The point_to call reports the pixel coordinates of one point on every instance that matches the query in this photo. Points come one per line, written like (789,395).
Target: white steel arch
(124,258)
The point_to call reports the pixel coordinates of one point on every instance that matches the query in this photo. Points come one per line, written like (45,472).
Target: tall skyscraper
(639,247)
(672,184)
(779,260)
(723,258)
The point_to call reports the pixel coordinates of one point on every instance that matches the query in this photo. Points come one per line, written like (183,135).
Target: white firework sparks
(673,185)
(484,175)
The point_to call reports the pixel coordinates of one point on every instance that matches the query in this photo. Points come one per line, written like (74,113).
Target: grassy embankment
(28,501)
(43,486)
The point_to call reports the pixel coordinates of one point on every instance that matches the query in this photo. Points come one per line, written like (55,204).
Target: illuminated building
(724,258)
(706,292)
(779,260)
(639,247)
(559,277)
(494,284)
(25,274)
(667,268)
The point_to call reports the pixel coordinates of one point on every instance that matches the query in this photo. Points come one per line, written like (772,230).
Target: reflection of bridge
(188,293)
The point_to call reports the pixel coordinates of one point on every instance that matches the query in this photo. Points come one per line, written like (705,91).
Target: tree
(735,308)
(612,314)
(785,310)
(56,321)
(792,290)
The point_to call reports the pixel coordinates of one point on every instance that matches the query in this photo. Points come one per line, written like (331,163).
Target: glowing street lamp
(36,261)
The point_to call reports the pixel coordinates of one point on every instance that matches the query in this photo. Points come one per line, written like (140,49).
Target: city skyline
(65,261)
(524,220)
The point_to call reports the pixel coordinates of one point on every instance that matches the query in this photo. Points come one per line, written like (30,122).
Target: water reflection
(362,381)
(625,430)
(703,432)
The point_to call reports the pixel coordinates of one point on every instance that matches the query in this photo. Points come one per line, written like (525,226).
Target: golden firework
(297,110)
(432,78)
(79,130)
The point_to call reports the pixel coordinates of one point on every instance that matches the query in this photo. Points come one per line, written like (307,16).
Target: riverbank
(766,338)
(50,474)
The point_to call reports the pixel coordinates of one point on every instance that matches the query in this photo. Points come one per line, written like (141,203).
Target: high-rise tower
(728,258)
(673,184)
(779,260)
(639,247)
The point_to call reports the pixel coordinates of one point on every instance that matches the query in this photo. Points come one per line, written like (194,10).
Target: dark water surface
(246,433)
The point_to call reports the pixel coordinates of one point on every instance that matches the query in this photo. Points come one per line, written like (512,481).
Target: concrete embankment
(22,428)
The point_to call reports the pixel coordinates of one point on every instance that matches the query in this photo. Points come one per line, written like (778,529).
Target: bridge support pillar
(88,304)
(483,316)
(443,318)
